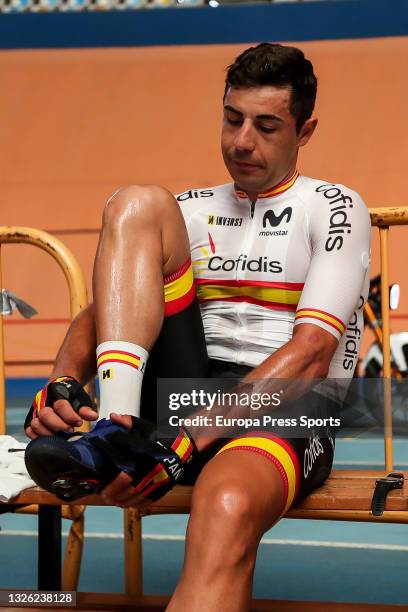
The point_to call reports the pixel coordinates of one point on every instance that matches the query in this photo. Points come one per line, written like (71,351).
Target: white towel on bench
(14,477)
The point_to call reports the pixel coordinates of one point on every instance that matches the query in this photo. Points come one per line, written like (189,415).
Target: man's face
(259,140)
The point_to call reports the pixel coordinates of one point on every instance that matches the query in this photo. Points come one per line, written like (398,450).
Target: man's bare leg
(143,239)
(237,497)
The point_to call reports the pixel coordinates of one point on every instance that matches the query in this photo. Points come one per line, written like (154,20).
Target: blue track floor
(299,560)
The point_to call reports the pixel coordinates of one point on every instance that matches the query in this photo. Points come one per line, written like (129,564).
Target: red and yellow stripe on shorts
(279,452)
(179,289)
(41,397)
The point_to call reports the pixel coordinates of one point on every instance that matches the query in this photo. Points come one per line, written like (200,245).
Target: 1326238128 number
(40,598)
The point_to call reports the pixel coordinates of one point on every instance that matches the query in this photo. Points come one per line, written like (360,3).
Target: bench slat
(343,490)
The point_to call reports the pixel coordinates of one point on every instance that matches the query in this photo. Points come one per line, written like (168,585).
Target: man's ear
(306,131)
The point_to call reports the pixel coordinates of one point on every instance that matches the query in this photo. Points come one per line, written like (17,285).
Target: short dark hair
(280,66)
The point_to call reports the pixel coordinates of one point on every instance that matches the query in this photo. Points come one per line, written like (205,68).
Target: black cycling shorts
(304,462)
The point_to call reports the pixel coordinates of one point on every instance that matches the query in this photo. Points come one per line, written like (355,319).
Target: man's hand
(117,453)
(59,406)
(120,492)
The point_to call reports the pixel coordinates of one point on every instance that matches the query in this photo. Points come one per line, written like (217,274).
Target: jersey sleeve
(340,236)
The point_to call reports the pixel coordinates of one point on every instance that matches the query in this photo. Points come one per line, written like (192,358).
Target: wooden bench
(346,495)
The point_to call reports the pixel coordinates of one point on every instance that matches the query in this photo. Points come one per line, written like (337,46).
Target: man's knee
(238,493)
(137,203)
(225,514)
(227,508)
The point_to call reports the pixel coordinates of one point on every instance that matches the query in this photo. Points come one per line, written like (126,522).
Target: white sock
(121,366)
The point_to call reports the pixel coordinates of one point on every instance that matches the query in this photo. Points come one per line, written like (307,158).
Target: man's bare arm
(76,358)
(306,356)
(295,368)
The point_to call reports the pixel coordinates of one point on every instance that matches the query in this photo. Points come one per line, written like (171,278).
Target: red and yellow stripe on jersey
(275,191)
(158,476)
(305,315)
(280,453)
(130,359)
(41,396)
(179,290)
(276,296)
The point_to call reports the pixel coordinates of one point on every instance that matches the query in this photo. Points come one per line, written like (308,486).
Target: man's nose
(245,138)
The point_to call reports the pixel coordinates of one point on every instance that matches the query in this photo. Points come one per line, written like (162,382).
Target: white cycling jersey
(299,254)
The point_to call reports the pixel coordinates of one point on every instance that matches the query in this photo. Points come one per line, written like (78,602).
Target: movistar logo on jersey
(275,220)
(194,193)
(339,209)
(242,263)
(226,221)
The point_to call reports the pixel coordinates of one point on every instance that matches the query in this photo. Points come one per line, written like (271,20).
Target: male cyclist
(279,265)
